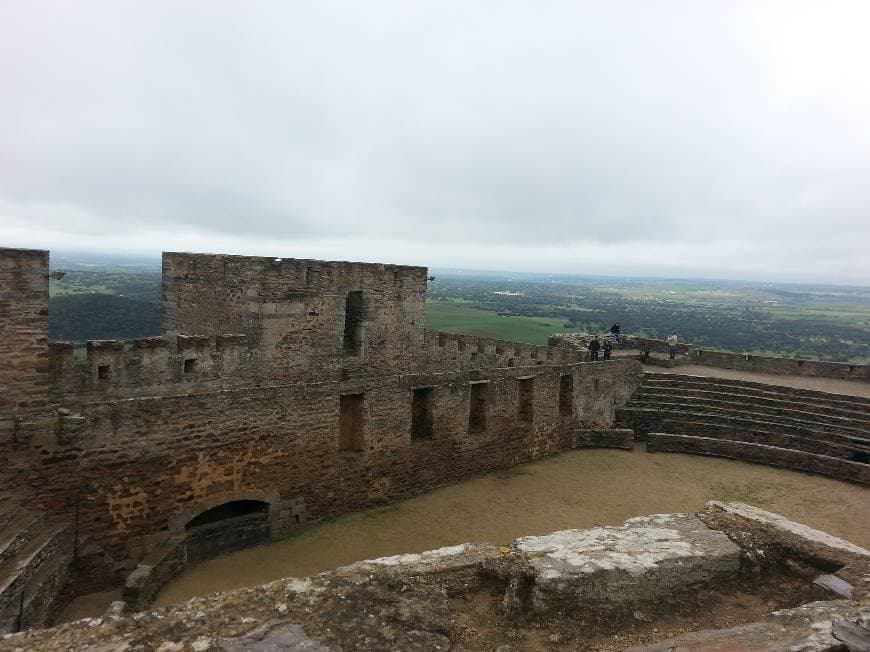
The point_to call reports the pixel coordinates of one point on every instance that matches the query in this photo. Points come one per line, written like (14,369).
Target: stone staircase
(797,428)
(35,558)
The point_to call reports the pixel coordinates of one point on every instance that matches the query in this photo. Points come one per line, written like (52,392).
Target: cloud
(727,138)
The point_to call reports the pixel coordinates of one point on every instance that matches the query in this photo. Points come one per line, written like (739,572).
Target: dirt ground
(579,489)
(482,625)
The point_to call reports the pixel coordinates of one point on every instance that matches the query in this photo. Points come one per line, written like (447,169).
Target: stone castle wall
(142,468)
(294,311)
(148,366)
(786,366)
(307,387)
(691,354)
(156,366)
(24,324)
(23,341)
(245,398)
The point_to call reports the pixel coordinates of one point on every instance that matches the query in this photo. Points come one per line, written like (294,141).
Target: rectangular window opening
(351,422)
(189,365)
(104,371)
(526,399)
(354,314)
(566,395)
(477,408)
(421,413)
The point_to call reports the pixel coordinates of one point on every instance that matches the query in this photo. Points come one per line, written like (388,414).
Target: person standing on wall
(644,354)
(672,345)
(615,333)
(594,347)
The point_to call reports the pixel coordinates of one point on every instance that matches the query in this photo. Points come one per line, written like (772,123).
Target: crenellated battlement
(155,365)
(468,351)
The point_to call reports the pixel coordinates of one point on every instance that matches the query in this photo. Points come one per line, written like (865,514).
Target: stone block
(632,563)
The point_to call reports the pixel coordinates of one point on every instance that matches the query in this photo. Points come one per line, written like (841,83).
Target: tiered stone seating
(784,426)
(35,556)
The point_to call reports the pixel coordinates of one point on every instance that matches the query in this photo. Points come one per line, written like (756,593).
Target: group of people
(598,347)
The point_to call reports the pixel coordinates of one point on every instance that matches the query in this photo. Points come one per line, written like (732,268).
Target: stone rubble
(607,582)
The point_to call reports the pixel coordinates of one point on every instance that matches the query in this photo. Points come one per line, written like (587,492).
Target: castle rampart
(148,366)
(300,315)
(178,454)
(281,393)
(690,354)
(180,364)
(24,324)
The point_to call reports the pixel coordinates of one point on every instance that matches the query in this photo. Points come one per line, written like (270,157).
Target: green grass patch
(465,320)
(59,290)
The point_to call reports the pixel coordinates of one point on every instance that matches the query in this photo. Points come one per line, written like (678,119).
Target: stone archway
(227,526)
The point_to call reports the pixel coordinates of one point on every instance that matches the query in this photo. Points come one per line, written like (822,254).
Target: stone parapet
(690,354)
(771,455)
(148,366)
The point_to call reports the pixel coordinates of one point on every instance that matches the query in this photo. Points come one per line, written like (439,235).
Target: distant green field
(459,318)
(58,290)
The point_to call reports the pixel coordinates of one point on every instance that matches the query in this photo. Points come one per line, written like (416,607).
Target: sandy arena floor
(579,489)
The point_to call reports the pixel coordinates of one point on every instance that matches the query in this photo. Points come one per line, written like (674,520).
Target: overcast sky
(697,137)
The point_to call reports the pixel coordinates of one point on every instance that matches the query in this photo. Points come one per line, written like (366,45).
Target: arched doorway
(229,526)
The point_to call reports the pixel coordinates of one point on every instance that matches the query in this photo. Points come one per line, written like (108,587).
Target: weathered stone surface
(779,522)
(604,438)
(772,455)
(424,601)
(634,562)
(728,360)
(833,583)
(288,637)
(853,633)
(450,558)
(809,628)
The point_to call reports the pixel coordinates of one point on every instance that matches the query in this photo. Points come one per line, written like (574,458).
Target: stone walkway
(849,387)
